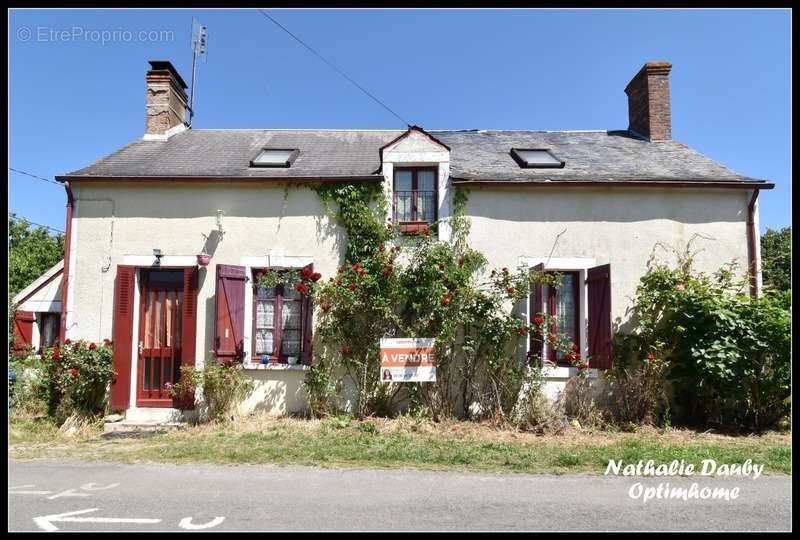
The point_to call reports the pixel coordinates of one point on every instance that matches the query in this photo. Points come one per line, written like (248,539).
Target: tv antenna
(199,50)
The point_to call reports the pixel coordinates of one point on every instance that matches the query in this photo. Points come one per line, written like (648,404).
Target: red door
(160,335)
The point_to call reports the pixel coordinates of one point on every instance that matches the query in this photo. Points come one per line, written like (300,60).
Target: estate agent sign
(408,360)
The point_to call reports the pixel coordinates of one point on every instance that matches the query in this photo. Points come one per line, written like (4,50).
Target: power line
(339,71)
(34,223)
(33,176)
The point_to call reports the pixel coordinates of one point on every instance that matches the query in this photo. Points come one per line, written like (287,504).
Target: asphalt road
(103,497)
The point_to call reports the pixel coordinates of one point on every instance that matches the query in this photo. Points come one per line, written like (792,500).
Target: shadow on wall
(278,392)
(618,205)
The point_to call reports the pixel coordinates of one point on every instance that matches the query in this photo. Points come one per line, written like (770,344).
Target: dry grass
(404,441)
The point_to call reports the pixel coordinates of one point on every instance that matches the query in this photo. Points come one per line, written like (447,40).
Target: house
(592,204)
(37,319)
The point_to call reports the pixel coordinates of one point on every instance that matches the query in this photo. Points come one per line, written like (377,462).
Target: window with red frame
(277,323)
(414,197)
(563,304)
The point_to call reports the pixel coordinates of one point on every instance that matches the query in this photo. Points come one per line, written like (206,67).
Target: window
(415,197)
(48,329)
(277,323)
(275,157)
(535,158)
(563,304)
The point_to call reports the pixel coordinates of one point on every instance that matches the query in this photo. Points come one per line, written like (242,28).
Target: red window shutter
(536,299)
(123,337)
(229,319)
(308,323)
(23,331)
(598,282)
(189,329)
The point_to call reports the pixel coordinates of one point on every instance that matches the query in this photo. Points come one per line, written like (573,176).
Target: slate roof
(477,155)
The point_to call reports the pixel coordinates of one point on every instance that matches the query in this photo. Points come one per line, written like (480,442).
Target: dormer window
(275,157)
(536,158)
(414,198)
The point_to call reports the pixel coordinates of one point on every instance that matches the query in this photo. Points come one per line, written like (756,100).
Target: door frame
(138,333)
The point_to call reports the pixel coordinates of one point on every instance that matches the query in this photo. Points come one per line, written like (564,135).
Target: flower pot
(203,259)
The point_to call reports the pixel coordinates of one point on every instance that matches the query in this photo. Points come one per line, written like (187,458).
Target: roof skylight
(275,157)
(534,158)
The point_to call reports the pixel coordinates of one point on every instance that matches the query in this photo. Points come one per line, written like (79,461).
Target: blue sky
(74,99)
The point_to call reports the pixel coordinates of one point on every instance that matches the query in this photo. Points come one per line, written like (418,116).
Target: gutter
(62,331)
(267,179)
(725,184)
(752,251)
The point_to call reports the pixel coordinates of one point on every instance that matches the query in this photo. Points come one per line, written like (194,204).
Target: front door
(160,329)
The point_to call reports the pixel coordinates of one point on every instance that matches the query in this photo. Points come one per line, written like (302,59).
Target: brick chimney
(167,110)
(648,102)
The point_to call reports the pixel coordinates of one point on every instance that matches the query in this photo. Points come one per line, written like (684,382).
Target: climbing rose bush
(76,377)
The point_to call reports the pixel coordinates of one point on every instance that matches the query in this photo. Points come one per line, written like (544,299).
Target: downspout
(752,255)
(65,274)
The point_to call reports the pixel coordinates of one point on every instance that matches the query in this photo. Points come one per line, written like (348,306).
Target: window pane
(290,315)
(265,342)
(426,180)
(537,157)
(265,314)
(290,343)
(402,180)
(566,309)
(403,206)
(273,157)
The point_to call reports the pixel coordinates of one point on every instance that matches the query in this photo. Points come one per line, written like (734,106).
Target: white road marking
(68,493)
(46,522)
(186,523)
(92,487)
(27,491)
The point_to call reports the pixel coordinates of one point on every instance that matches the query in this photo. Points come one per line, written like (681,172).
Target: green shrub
(224,385)
(26,395)
(728,354)
(75,379)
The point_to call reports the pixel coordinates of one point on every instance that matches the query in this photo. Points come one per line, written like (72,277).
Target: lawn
(403,442)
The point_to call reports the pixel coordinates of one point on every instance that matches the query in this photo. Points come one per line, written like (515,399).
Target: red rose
(575,347)
(306,272)
(56,353)
(338,281)
(346,350)
(445,300)
(510,290)
(303,288)
(381,248)
(505,270)
(461,261)
(538,320)
(582,366)
(74,373)
(341,269)
(67,341)
(352,286)
(92,346)
(315,276)
(397,249)
(523,331)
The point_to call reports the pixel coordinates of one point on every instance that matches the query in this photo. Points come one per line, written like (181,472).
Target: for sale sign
(408,360)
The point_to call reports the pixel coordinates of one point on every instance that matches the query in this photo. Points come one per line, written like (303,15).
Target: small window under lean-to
(534,158)
(275,157)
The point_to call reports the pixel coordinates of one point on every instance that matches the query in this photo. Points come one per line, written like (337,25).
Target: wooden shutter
(188,329)
(229,319)
(23,331)
(598,283)
(536,299)
(123,337)
(308,321)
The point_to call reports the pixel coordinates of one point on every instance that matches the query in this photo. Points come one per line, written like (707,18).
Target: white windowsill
(277,367)
(567,372)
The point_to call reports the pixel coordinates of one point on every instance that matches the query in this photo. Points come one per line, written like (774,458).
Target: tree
(31,252)
(776,258)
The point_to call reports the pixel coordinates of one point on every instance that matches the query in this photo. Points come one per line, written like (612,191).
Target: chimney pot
(648,102)
(166,100)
